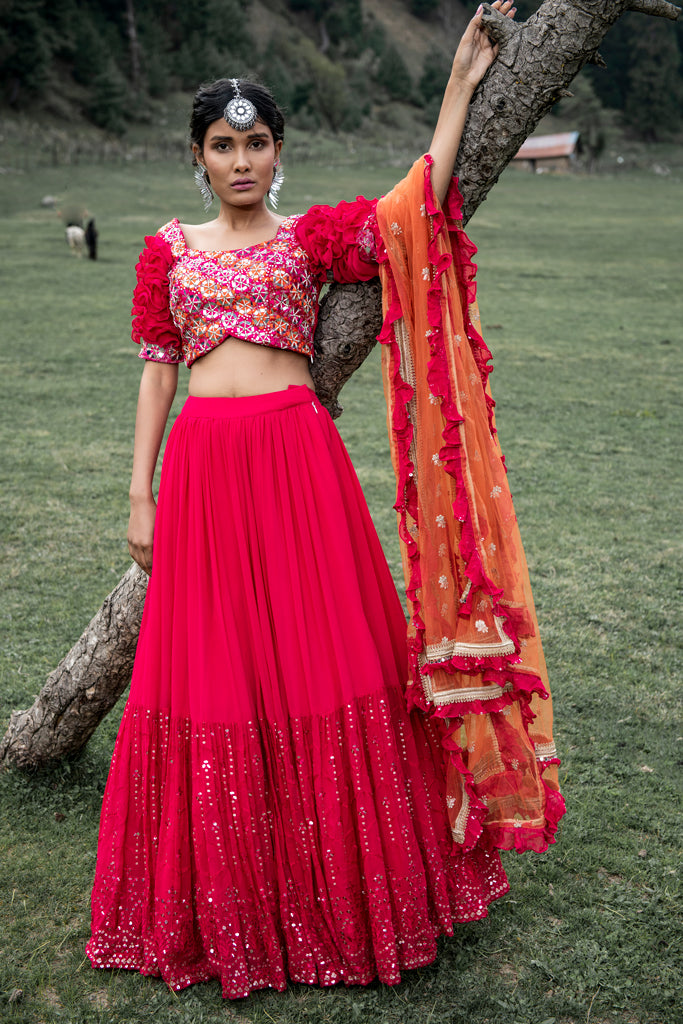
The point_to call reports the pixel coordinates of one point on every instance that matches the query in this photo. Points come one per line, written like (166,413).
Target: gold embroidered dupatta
(476,658)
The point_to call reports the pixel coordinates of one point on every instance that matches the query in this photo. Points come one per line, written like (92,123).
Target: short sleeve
(153,327)
(343,240)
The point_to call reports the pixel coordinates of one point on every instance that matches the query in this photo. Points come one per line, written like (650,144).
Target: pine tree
(655,94)
(587,115)
(393,75)
(423,8)
(91,53)
(109,107)
(435,71)
(25,50)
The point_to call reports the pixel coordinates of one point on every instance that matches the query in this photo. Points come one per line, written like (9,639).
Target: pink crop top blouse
(187,301)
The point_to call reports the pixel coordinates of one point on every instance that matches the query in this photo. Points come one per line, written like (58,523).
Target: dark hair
(211,100)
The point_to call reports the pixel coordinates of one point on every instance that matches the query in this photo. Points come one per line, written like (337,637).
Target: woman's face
(240,164)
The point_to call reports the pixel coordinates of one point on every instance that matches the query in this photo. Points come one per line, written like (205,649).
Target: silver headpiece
(240,113)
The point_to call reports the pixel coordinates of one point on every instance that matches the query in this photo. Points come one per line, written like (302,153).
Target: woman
(273,810)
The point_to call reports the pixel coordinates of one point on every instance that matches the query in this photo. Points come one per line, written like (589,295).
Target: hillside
(343,66)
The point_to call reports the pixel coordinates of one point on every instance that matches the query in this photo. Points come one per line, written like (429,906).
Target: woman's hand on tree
(141,532)
(476,50)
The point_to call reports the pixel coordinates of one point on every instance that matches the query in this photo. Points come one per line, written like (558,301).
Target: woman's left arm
(475,54)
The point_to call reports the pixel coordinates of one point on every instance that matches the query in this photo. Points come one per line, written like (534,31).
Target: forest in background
(332,64)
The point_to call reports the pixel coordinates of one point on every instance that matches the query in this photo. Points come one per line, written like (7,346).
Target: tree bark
(349,321)
(537,61)
(85,685)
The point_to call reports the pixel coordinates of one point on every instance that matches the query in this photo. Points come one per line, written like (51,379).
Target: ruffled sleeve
(153,327)
(342,240)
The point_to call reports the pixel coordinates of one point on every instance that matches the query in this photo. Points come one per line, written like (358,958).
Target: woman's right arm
(157,390)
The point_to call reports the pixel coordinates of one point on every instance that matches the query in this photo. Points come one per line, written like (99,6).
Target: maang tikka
(240,113)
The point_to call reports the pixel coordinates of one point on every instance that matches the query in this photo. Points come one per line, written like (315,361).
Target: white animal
(75,236)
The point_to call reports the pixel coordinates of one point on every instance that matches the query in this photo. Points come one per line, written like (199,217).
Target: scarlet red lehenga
(298,789)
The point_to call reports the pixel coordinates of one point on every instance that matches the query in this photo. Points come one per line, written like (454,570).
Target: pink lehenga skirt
(272,810)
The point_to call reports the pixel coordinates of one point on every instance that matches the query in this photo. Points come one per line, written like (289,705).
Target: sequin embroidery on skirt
(272,811)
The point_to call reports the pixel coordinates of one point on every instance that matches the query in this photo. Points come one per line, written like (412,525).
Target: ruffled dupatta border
(477,664)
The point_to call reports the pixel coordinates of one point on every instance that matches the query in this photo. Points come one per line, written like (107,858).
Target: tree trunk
(85,685)
(537,61)
(134,43)
(349,321)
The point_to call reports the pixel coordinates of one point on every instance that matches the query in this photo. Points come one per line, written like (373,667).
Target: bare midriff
(239,368)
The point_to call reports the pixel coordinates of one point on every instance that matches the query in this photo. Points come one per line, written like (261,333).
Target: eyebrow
(228,138)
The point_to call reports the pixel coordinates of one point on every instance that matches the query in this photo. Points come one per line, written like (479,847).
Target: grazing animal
(91,238)
(75,236)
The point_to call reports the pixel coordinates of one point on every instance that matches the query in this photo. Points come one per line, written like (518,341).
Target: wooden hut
(549,152)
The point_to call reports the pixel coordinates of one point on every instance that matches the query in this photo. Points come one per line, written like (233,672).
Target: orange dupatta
(476,658)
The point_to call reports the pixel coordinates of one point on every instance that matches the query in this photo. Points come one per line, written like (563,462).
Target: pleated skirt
(272,811)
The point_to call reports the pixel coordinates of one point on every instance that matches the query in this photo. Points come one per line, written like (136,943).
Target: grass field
(582,304)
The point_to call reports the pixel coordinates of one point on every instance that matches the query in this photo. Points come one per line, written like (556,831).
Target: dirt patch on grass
(49,995)
(99,1000)
(508,974)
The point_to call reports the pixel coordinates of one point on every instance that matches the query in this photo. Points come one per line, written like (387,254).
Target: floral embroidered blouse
(187,301)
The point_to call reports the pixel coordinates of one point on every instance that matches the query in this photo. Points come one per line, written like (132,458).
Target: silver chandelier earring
(201,180)
(276,185)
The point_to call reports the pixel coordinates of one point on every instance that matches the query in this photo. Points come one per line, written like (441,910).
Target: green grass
(582,304)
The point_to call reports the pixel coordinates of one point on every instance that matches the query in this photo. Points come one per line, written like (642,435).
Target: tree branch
(536,63)
(85,685)
(658,8)
(501,29)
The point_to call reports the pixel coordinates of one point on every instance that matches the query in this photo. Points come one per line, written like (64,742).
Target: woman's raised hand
(476,50)
(475,54)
